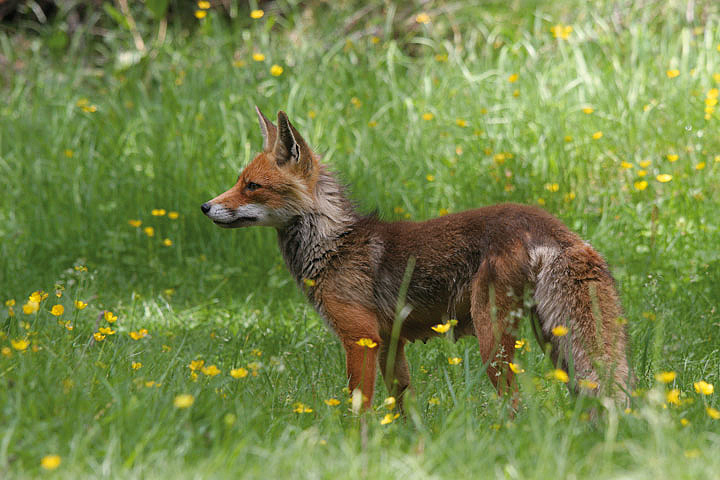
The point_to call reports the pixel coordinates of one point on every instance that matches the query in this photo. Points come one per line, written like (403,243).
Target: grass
(91,139)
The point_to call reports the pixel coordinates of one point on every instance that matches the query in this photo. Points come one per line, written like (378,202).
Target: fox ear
(290,147)
(268,130)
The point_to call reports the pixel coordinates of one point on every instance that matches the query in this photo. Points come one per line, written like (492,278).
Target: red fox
(477,267)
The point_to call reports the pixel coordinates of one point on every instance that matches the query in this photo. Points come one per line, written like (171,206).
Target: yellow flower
(79,304)
(6,352)
(312,114)
(308,282)
(135,223)
(366,342)
(257,14)
(588,110)
(204,5)
(427,116)
(672,157)
(513,78)
(136,365)
(561,31)
(672,73)
(713,92)
(519,343)
(57,310)
(258,57)
(645,163)
(663,178)
(665,377)
(568,139)
(515,368)
(10,303)
(173,215)
(560,375)
(700,166)
(50,462)
(441,327)
(454,360)
(560,331)
(158,212)
(372,124)
(552,187)
(239,372)
(389,403)
(713,413)
(69,153)
(356,102)
(20,345)
(256,352)
(99,337)
(200,14)
(641,173)
(138,335)
(184,401)
(460,122)
(106,331)
(626,165)
(597,135)
(210,371)
(640,185)
(423,18)
(196,364)
(167,242)
(389,418)
(588,384)
(149,231)
(434,401)
(332,402)
(276,70)
(109,317)
(684,422)
(673,396)
(30,307)
(703,387)
(430,177)
(301,408)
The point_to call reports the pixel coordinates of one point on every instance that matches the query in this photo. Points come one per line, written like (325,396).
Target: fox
(478,270)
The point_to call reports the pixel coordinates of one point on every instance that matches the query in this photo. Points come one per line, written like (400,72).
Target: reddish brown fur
(474,266)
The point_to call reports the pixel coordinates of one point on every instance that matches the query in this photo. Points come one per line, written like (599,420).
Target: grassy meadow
(185,351)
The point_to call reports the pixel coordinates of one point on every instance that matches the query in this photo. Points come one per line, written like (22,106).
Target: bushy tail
(574,289)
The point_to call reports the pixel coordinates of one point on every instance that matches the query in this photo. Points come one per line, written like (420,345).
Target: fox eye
(252,186)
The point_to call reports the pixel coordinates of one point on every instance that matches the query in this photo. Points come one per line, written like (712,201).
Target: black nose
(205,207)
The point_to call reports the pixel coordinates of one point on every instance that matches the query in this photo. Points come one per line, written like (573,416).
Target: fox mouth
(235,223)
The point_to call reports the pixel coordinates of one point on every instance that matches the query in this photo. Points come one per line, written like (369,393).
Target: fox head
(275,187)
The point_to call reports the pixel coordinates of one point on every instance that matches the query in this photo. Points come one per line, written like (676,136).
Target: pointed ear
(290,147)
(268,130)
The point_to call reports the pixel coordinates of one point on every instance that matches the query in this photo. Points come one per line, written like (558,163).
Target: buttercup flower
(366,342)
(703,387)
(57,310)
(665,377)
(50,462)
(332,402)
(454,360)
(560,331)
(79,304)
(441,327)
(256,14)
(239,372)
(184,401)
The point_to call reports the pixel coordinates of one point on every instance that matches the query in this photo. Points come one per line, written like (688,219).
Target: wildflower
(210,371)
(434,401)
(366,342)
(663,178)
(568,139)
(665,377)
(684,422)
(257,14)
(560,331)
(301,408)
(258,57)
(30,308)
(166,348)
(312,114)
(106,331)
(167,242)
(516,93)
(423,18)
(519,343)
(68,325)
(513,78)
(588,384)
(560,375)
(430,177)
(597,135)
(196,364)
(454,360)
(640,185)
(149,231)
(673,396)
(516,368)
(254,367)
(427,116)
(50,462)
(588,110)
(389,403)
(158,212)
(239,372)
(441,327)
(138,335)
(672,73)
(200,14)
(713,413)
(569,197)
(10,303)
(372,124)
(109,317)
(461,123)
(561,31)
(136,365)
(135,223)
(6,352)
(703,387)
(20,345)
(626,165)
(641,173)
(79,304)
(309,282)
(276,70)
(645,163)
(99,337)
(552,187)
(332,402)
(183,401)
(443,212)
(671,157)
(357,103)
(700,166)
(204,5)
(389,418)
(173,215)
(57,310)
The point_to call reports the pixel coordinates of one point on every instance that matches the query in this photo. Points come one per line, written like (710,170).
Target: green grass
(173,129)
